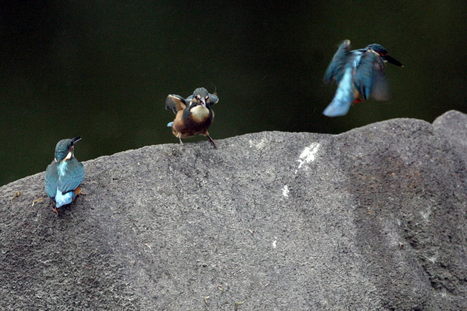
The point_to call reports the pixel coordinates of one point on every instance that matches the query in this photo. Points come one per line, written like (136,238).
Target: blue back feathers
(63,175)
(359,74)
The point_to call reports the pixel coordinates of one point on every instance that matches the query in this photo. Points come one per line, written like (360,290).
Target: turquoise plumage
(359,75)
(64,175)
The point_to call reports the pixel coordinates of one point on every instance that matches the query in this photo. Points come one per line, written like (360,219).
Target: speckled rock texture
(371,219)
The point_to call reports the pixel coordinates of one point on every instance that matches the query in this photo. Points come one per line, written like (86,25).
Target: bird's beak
(203,102)
(76,139)
(392,60)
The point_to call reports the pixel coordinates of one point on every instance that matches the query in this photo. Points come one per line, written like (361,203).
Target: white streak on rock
(258,145)
(426,214)
(308,155)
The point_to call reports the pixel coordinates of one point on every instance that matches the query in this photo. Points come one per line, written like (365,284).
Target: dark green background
(101,69)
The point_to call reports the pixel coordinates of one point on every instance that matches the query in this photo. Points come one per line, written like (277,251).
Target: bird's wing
(335,69)
(188,100)
(51,179)
(213,99)
(341,102)
(380,83)
(73,177)
(369,77)
(175,103)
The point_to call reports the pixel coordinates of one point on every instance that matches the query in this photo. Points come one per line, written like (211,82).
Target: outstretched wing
(335,69)
(73,177)
(341,102)
(369,77)
(380,83)
(51,179)
(175,103)
(213,99)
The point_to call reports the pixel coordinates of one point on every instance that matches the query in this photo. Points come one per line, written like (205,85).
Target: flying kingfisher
(64,175)
(193,115)
(359,75)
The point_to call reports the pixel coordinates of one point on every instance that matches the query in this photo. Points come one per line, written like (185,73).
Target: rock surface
(371,219)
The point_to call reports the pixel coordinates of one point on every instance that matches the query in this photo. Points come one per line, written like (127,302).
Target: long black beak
(393,61)
(76,139)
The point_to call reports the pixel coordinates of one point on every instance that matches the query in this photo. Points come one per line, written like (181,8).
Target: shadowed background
(102,69)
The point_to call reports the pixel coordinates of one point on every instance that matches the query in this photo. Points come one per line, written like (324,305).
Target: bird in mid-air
(359,75)
(64,175)
(193,115)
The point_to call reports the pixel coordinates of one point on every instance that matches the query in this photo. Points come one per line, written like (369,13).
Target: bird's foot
(212,141)
(55,210)
(80,191)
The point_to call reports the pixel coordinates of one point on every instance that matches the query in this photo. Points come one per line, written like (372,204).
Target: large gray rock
(371,219)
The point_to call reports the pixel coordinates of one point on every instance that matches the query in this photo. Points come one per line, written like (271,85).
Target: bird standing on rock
(359,75)
(64,175)
(193,115)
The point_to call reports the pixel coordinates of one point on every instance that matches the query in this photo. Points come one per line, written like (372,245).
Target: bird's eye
(207,97)
(198,97)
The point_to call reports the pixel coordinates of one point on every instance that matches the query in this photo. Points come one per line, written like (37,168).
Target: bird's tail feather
(63,199)
(341,102)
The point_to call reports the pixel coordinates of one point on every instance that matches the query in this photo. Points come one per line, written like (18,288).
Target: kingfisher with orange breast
(193,115)
(359,75)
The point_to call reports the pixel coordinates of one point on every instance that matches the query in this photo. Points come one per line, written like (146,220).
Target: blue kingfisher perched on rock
(193,115)
(359,75)
(64,175)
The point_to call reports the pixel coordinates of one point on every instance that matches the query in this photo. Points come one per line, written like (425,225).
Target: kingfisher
(359,75)
(64,175)
(193,115)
